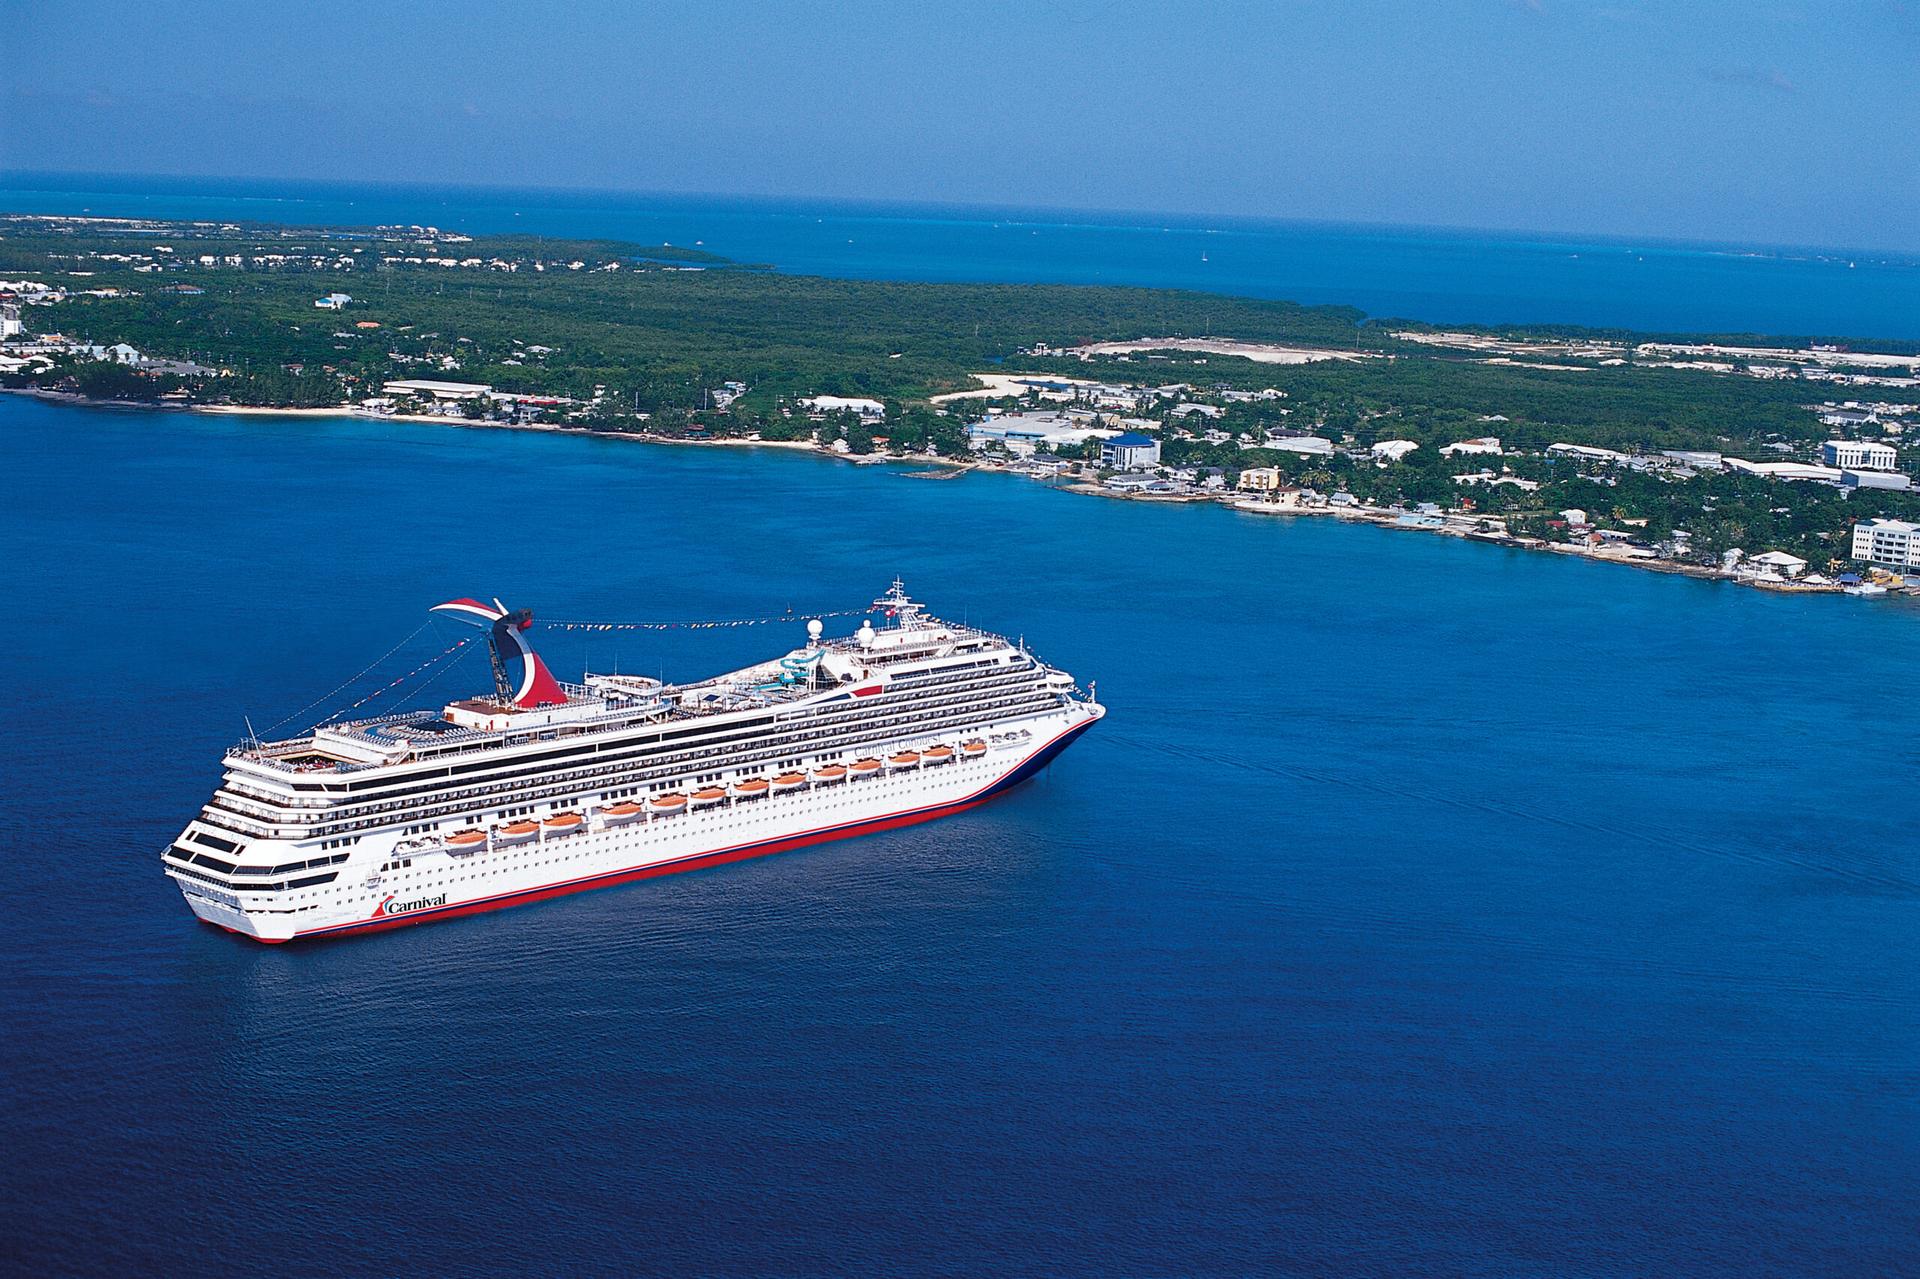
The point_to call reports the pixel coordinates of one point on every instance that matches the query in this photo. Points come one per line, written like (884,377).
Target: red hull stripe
(716,857)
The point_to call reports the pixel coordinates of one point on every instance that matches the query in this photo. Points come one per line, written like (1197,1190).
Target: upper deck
(612,703)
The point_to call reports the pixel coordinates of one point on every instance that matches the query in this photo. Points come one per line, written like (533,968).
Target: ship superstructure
(545,787)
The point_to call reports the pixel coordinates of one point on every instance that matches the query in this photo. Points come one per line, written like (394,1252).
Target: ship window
(202,859)
(214,841)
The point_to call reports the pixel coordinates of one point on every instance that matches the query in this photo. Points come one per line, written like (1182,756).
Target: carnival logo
(392,907)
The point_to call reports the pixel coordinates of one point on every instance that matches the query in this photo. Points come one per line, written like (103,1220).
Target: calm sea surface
(1440,276)
(1420,907)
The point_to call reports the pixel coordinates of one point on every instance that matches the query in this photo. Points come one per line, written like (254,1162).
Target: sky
(1763,122)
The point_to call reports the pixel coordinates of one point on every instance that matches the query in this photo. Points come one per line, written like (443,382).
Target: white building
(1392,450)
(1305,445)
(1897,481)
(1892,542)
(1586,451)
(1497,478)
(1859,455)
(835,403)
(438,390)
(10,326)
(1698,459)
(1785,470)
(1130,452)
(1480,444)
(333,302)
(1776,564)
(1022,433)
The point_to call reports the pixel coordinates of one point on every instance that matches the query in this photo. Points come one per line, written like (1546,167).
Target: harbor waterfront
(1420,906)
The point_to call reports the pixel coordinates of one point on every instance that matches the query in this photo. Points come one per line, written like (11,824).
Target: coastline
(1379,517)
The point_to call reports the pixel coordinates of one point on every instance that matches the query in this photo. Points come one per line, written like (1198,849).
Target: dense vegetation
(653,337)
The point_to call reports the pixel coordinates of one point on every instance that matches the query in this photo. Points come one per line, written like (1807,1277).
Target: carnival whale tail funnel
(520,678)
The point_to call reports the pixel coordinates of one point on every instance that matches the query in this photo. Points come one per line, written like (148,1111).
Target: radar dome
(814,628)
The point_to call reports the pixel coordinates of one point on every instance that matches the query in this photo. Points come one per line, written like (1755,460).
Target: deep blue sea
(1449,277)
(1421,908)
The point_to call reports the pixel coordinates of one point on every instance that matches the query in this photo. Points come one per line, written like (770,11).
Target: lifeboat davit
(937,755)
(752,788)
(905,759)
(865,767)
(787,781)
(622,812)
(466,840)
(669,804)
(974,749)
(709,795)
(831,773)
(563,823)
(516,832)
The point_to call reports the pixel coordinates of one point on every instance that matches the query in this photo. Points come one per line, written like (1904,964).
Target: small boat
(466,841)
(787,781)
(752,788)
(905,759)
(937,755)
(709,795)
(974,749)
(865,767)
(669,804)
(1866,588)
(831,773)
(625,811)
(516,832)
(563,823)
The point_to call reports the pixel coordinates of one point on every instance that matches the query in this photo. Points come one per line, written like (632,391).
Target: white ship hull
(391,882)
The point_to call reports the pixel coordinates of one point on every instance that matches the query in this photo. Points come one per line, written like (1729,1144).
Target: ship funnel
(520,678)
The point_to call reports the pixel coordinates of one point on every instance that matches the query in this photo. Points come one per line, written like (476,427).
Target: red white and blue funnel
(520,677)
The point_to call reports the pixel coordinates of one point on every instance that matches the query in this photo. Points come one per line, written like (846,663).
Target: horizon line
(1063,216)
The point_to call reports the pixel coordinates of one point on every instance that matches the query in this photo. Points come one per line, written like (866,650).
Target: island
(1784,462)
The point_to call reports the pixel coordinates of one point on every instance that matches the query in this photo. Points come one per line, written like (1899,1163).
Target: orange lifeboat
(563,823)
(625,811)
(516,832)
(937,754)
(709,795)
(669,804)
(974,749)
(831,773)
(466,840)
(787,781)
(905,759)
(865,767)
(752,788)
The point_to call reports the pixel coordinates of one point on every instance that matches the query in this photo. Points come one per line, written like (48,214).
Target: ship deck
(604,702)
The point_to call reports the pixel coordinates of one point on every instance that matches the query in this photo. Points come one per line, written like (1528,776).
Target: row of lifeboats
(517,832)
(619,814)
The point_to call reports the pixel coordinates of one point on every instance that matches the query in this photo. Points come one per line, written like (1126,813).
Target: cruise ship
(541,787)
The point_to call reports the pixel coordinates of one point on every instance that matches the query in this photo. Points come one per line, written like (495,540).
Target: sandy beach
(1258,352)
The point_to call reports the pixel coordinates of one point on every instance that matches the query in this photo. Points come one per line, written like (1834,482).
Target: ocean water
(1420,907)
(1425,274)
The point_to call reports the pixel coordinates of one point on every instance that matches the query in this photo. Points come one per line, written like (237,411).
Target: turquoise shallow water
(1420,907)
(1484,277)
